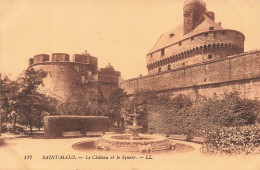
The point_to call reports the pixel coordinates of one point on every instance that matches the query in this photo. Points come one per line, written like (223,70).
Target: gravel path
(14,150)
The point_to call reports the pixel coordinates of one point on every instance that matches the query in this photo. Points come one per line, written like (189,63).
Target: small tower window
(180,43)
(169,67)
(171,35)
(159,69)
(192,38)
(162,52)
(211,28)
(210,56)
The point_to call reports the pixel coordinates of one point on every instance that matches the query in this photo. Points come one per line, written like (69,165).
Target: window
(206,34)
(210,56)
(171,35)
(192,38)
(179,43)
(211,28)
(169,67)
(162,52)
(159,69)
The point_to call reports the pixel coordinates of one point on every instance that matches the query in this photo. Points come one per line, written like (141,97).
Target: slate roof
(166,40)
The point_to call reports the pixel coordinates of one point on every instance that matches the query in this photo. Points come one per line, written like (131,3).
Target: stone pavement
(44,151)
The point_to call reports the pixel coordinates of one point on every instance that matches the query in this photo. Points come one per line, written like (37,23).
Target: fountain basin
(134,127)
(145,143)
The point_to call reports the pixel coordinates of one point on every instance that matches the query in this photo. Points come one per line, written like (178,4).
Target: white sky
(119,32)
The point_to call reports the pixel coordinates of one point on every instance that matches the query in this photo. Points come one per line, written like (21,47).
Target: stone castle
(66,78)
(200,57)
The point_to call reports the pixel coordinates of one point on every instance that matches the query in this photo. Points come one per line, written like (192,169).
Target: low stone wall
(55,125)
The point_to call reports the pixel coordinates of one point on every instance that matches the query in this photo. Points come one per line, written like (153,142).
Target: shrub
(6,127)
(9,127)
(233,140)
(55,125)
(180,115)
(231,110)
(172,116)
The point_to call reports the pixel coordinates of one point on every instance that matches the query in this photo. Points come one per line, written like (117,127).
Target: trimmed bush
(55,125)
(233,140)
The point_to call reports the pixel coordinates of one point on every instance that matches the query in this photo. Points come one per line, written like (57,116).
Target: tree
(115,107)
(8,91)
(29,102)
(87,100)
(141,102)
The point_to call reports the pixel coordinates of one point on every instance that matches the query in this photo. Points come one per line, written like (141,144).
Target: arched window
(159,69)
(169,67)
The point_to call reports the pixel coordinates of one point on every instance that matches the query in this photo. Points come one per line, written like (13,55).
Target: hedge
(55,125)
(232,141)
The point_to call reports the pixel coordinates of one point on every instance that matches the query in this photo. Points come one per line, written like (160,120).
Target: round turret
(110,67)
(193,12)
(189,2)
(85,53)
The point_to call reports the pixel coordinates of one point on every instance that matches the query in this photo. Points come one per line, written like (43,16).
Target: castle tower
(193,12)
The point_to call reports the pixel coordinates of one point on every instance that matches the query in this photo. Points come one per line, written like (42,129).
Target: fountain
(133,142)
(134,128)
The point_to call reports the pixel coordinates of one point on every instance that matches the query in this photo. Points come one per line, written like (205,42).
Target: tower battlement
(65,77)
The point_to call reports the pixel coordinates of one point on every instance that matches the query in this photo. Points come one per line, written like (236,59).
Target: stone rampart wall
(239,72)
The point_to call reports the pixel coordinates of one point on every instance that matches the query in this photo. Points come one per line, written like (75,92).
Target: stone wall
(218,43)
(55,125)
(64,79)
(239,72)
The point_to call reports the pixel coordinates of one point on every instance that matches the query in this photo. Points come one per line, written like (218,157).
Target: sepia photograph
(129,84)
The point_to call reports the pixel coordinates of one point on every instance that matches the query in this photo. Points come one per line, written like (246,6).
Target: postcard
(130,84)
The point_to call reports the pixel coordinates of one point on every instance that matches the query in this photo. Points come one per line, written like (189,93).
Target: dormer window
(162,52)
(171,35)
(211,28)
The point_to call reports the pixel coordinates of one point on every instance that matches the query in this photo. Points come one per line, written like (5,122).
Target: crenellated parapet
(69,78)
(84,58)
